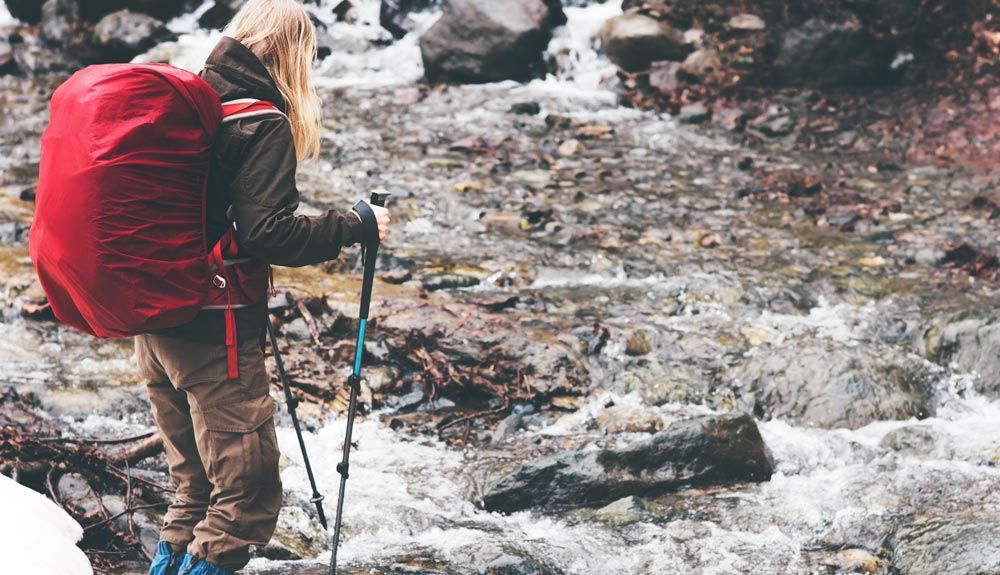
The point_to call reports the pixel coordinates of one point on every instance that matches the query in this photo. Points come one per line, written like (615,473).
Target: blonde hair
(280,33)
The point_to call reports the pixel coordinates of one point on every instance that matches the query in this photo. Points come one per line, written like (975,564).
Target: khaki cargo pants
(218,434)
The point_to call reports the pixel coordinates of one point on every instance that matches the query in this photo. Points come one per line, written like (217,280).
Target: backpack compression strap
(232,111)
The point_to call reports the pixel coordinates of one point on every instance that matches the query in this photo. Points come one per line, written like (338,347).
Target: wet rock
(441,281)
(515,565)
(970,342)
(704,450)
(122,35)
(57,18)
(658,383)
(75,490)
(94,10)
(968,546)
(663,76)
(6,57)
(695,113)
(747,22)
(637,344)
(829,53)
(700,64)
(469,44)
(622,512)
(220,13)
(628,419)
(571,147)
(910,440)
(525,108)
(633,41)
(28,11)
(830,385)
(779,126)
(394,15)
(297,536)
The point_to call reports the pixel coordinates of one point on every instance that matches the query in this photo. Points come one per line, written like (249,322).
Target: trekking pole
(368,255)
(291,402)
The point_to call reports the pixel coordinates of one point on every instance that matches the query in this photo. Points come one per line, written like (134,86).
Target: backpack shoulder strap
(247,108)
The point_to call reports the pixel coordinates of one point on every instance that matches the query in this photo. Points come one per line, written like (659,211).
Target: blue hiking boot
(192,565)
(166,561)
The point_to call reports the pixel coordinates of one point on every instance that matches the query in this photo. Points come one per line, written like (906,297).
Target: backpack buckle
(219,282)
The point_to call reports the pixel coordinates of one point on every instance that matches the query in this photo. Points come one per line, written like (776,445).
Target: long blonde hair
(281,34)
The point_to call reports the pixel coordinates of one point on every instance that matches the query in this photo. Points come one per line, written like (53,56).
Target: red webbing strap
(232,351)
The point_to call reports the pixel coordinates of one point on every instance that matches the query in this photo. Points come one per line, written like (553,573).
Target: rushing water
(623,255)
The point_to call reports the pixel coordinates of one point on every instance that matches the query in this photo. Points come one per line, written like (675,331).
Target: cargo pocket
(242,447)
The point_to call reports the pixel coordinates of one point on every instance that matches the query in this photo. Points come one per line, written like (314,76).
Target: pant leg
(233,423)
(172,413)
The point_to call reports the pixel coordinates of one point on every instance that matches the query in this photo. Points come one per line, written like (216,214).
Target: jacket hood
(235,72)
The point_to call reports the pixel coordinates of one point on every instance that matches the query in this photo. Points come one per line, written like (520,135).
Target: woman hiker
(218,432)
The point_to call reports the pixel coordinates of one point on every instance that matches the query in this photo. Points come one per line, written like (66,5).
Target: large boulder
(58,19)
(969,342)
(220,13)
(94,10)
(958,546)
(487,41)
(634,41)
(29,11)
(704,450)
(6,57)
(123,35)
(830,52)
(394,15)
(832,385)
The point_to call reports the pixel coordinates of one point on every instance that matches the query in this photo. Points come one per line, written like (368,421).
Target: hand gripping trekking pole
(291,403)
(368,255)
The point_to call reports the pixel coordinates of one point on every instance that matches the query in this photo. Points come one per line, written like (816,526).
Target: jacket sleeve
(264,198)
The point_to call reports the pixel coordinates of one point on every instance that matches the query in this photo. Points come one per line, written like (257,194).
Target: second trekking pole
(368,255)
(291,403)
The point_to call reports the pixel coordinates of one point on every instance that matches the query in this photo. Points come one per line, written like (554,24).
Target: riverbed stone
(834,385)
(704,450)
(969,342)
(830,52)
(220,13)
(487,41)
(957,546)
(122,35)
(628,419)
(623,511)
(58,17)
(28,11)
(633,41)
(659,382)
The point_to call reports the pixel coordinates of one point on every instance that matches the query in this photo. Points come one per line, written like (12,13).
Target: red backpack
(118,239)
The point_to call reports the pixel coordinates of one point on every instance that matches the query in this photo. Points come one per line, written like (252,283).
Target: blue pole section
(359,350)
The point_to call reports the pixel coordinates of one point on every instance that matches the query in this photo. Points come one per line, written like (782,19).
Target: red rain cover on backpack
(118,239)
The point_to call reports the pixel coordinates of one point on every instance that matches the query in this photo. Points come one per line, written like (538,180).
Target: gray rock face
(393,15)
(122,35)
(968,341)
(964,547)
(6,55)
(57,18)
(832,385)
(829,53)
(487,41)
(94,10)
(220,13)
(695,113)
(659,383)
(28,11)
(634,41)
(704,450)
